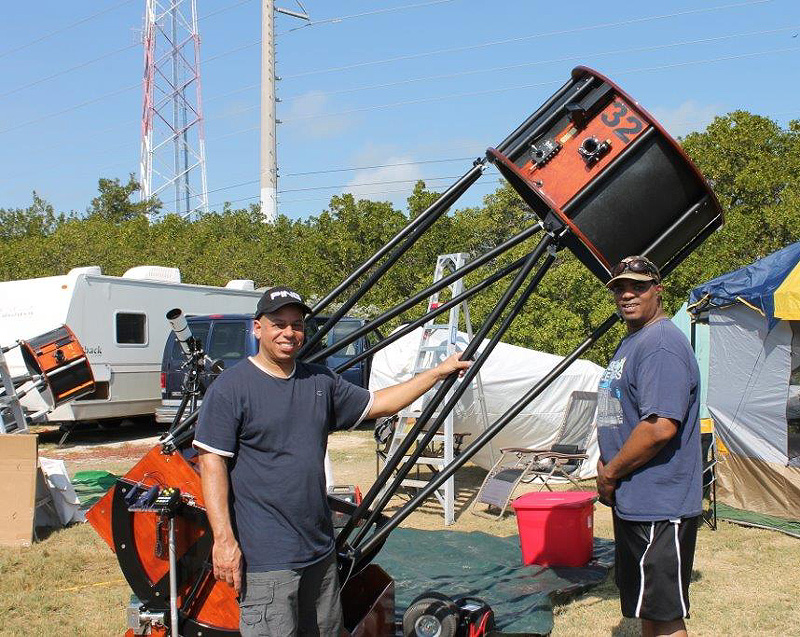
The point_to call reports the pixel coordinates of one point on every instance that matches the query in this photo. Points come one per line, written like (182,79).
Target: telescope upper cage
(592,159)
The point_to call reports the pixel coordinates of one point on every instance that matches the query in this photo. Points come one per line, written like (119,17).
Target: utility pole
(269,162)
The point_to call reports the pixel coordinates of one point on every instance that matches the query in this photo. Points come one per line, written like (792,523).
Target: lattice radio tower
(173,156)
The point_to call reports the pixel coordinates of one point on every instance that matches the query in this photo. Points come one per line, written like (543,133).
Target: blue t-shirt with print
(654,372)
(275,432)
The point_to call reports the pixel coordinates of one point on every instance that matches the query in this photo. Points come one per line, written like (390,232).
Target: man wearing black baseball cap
(650,467)
(262,435)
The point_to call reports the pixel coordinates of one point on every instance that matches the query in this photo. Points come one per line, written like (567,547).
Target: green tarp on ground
(476,564)
(760,520)
(90,486)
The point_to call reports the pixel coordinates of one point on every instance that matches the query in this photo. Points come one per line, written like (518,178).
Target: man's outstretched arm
(390,400)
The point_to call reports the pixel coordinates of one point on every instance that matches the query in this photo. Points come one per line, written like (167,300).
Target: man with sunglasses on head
(650,465)
(262,435)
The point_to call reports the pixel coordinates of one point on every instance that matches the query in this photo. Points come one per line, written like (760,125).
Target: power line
(582,56)
(314,23)
(223,9)
(412,56)
(71,108)
(477,185)
(376,166)
(65,71)
(437,98)
(64,28)
(507,67)
(368,183)
(472,47)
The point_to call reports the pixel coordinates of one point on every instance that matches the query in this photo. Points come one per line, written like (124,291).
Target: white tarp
(65,503)
(507,375)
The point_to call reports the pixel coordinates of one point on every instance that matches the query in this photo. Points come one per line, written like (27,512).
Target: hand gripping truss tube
(605,181)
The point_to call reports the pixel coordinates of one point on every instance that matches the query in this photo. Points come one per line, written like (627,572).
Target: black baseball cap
(275,298)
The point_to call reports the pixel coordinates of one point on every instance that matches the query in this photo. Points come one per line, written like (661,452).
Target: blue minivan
(229,338)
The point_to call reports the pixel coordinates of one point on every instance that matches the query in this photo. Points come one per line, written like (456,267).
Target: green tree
(113,201)
(37,220)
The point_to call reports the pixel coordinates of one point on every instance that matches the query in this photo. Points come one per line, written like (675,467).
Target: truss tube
(436,210)
(410,438)
(471,374)
(436,287)
(556,96)
(403,471)
(466,294)
(376,538)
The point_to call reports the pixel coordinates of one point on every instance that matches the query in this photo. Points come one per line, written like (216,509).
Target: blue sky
(420,85)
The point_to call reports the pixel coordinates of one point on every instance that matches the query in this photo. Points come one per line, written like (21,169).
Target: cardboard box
(18,465)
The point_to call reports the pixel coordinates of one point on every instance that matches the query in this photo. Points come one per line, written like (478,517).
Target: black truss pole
(424,294)
(448,198)
(466,294)
(468,352)
(433,209)
(403,471)
(376,538)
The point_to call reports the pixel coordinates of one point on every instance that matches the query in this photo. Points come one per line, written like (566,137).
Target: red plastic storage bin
(556,528)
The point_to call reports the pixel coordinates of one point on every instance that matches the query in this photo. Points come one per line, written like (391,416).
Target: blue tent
(752,374)
(770,285)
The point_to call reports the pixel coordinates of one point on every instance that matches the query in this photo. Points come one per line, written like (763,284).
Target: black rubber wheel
(431,615)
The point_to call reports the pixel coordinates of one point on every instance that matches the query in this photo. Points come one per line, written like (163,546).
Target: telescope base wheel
(431,614)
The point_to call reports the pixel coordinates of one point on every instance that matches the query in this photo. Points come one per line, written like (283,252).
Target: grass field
(745,581)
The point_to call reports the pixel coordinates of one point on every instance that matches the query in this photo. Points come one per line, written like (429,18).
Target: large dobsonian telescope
(605,181)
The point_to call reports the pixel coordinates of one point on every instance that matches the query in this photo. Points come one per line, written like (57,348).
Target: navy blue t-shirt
(654,372)
(275,431)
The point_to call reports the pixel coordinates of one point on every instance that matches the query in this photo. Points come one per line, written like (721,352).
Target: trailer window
(131,328)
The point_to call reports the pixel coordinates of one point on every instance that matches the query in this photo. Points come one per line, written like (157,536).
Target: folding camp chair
(562,460)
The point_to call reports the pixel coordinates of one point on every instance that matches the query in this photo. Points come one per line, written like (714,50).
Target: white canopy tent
(509,372)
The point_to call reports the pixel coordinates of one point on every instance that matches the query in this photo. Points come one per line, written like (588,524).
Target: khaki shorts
(298,602)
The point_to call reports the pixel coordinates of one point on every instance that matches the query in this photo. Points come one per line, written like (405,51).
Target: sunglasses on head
(639,265)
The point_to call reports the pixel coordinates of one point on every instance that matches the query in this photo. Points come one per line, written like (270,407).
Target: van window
(131,328)
(340,331)
(228,340)
(199,331)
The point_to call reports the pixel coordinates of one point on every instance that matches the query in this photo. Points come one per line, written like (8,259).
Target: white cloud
(687,117)
(393,181)
(307,113)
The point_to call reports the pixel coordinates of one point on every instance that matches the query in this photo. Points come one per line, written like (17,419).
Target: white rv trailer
(121,324)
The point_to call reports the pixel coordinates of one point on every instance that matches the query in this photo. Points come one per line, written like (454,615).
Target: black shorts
(653,565)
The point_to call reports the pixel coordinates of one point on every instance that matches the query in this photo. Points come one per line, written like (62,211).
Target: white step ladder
(430,353)
(12,418)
